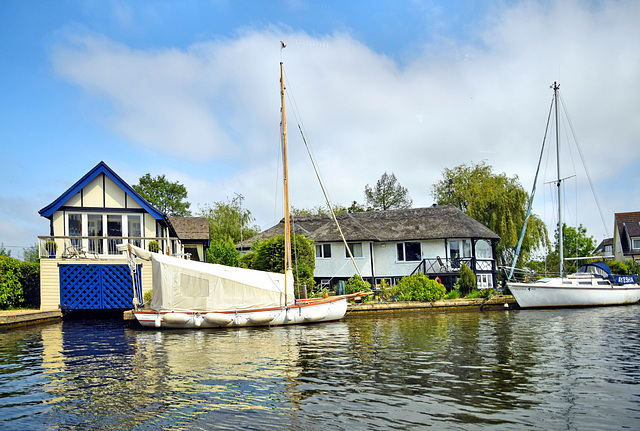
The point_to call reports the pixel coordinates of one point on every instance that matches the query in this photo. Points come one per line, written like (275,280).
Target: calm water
(553,369)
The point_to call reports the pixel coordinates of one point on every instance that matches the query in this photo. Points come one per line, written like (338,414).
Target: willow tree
(496,201)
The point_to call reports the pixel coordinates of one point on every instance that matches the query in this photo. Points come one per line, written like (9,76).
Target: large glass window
(114,228)
(356,249)
(135,229)
(409,252)
(94,229)
(323,251)
(459,248)
(483,250)
(75,229)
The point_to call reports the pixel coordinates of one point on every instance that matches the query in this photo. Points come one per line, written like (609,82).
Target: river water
(547,369)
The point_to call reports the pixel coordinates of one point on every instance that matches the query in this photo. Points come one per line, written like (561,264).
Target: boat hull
(556,294)
(303,312)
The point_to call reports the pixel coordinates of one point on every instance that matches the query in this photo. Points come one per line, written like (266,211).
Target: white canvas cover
(185,285)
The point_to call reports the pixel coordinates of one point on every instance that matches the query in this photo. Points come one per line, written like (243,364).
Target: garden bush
(418,287)
(19,283)
(467,281)
(356,284)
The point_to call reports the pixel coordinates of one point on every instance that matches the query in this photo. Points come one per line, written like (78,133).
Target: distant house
(605,248)
(194,235)
(388,245)
(80,265)
(626,236)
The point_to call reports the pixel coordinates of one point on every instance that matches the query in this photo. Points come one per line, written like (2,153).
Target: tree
(269,256)
(229,220)
(576,244)
(387,194)
(165,195)
(496,201)
(223,252)
(31,253)
(4,251)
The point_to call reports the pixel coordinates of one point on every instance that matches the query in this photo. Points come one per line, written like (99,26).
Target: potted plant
(154,246)
(51,247)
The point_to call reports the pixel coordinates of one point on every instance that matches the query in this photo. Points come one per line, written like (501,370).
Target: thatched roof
(191,228)
(381,226)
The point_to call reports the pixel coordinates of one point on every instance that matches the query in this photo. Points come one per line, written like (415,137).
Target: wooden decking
(14,318)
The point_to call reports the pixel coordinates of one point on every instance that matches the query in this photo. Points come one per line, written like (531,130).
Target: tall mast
(287,224)
(556,87)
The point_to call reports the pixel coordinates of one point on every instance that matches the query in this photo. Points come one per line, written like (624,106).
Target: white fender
(218,318)
(260,318)
(176,318)
(314,314)
(158,321)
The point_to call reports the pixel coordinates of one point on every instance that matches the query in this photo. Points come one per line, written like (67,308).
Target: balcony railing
(439,265)
(97,247)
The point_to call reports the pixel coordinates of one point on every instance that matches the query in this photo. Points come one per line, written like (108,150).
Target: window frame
(323,248)
(401,251)
(353,250)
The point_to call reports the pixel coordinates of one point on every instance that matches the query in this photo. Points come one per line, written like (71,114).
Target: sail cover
(184,285)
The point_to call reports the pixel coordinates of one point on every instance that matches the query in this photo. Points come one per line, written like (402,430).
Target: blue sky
(189,89)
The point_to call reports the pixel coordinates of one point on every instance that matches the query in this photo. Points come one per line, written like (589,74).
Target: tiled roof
(191,228)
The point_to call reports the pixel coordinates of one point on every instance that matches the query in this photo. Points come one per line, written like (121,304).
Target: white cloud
(218,102)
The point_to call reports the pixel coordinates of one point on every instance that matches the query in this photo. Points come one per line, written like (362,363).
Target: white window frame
(635,243)
(354,250)
(403,258)
(321,251)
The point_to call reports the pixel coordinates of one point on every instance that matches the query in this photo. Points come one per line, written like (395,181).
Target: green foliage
(154,246)
(17,279)
(165,195)
(619,268)
(453,294)
(356,284)
(496,201)
(387,293)
(51,246)
(481,293)
(387,194)
(467,281)
(246,260)
(269,256)
(576,244)
(31,253)
(223,253)
(229,220)
(4,251)
(418,287)
(147,296)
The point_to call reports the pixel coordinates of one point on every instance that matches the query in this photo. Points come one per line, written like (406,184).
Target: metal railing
(440,265)
(97,247)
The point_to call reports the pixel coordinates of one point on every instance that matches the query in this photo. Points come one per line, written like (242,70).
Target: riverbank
(476,304)
(15,318)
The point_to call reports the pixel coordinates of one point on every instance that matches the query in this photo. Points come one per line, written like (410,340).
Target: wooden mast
(287,224)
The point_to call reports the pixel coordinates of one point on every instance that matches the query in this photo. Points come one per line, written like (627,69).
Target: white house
(392,244)
(626,236)
(80,266)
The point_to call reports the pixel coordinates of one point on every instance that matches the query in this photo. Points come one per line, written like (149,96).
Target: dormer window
(635,243)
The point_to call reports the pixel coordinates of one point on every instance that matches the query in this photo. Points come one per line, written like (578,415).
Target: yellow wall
(49,284)
(92,193)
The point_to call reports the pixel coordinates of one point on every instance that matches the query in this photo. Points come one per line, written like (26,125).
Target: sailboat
(592,285)
(189,294)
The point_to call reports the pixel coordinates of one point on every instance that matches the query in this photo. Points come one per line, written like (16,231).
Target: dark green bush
(418,287)
(19,281)
(223,253)
(467,281)
(356,284)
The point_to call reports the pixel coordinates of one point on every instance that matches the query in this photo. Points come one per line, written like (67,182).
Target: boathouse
(389,245)
(80,266)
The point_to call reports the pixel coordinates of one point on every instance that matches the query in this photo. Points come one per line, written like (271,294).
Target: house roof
(100,168)
(379,226)
(191,228)
(605,242)
(628,226)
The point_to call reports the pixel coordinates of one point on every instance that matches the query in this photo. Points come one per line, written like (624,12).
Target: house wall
(340,265)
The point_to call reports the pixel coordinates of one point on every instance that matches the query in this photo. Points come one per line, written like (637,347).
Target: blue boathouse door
(90,287)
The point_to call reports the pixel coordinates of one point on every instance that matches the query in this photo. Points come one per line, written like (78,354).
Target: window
(94,228)
(323,251)
(483,249)
(635,243)
(356,249)
(409,252)
(75,229)
(459,248)
(135,230)
(114,228)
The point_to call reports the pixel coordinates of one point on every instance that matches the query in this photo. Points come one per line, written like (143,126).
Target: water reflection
(573,369)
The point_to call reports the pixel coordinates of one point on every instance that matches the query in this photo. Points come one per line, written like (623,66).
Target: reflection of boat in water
(189,294)
(592,285)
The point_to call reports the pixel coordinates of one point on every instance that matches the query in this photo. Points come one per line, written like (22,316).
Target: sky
(190,89)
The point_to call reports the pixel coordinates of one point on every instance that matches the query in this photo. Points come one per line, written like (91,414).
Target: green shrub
(147,296)
(223,253)
(356,284)
(454,294)
(387,293)
(481,293)
(620,268)
(154,246)
(11,293)
(467,281)
(418,287)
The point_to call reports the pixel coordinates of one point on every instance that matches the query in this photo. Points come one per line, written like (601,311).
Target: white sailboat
(592,285)
(188,294)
